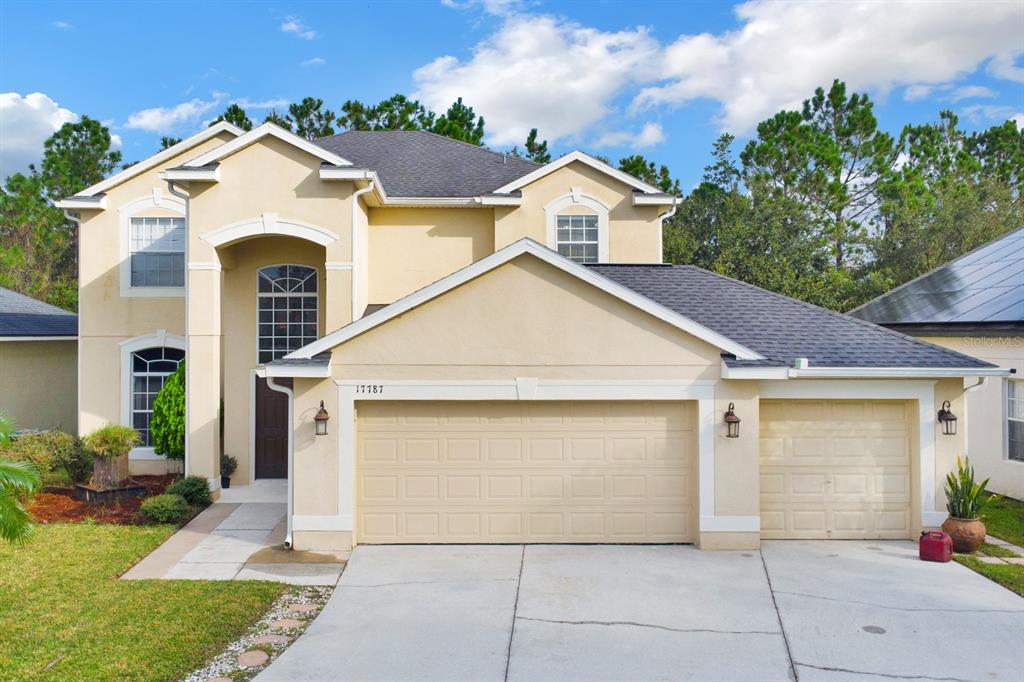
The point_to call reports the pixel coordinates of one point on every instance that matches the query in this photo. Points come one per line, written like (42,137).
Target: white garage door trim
(922,391)
(527,388)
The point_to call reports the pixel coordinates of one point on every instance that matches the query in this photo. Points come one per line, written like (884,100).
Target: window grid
(287,310)
(157,252)
(577,237)
(1015,418)
(150,369)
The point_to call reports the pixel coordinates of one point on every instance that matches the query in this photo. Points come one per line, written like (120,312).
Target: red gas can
(935,545)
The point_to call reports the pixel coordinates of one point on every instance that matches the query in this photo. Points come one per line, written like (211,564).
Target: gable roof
(781,329)
(21,315)
(484,265)
(580,157)
(984,286)
(416,163)
(257,134)
(153,161)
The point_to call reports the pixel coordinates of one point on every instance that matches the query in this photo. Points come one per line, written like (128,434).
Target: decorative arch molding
(577,197)
(158,339)
(156,199)
(268,224)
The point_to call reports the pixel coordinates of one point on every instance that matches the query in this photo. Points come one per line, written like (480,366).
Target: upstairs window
(576,237)
(1015,418)
(157,248)
(287,300)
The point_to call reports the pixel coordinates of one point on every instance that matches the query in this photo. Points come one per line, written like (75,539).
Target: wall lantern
(321,420)
(948,420)
(733,422)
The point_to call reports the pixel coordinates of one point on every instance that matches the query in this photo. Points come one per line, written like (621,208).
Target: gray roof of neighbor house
(779,328)
(415,163)
(24,316)
(982,287)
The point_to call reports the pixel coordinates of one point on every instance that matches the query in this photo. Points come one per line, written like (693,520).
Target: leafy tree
(537,151)
(166,142)
(398,112)
(75,157)
(236,116)
(167,425)
(460,122)
(278,120)
(310,119)
(649,172)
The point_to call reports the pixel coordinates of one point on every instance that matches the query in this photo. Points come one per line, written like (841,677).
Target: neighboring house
(38,364)
(975,305)
(498,351)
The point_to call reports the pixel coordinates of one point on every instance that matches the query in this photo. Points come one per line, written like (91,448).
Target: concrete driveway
(796,610)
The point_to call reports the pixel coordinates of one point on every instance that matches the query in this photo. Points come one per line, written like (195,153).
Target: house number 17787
(369,388)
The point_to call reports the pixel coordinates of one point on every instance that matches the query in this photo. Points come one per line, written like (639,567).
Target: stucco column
(203,370)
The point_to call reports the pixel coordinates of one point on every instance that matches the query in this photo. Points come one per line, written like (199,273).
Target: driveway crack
(890,676)
(515,610)
(897,608)
(794,675)
(629,623)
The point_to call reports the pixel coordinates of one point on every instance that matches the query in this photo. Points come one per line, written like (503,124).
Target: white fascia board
(582,158)
(501,257)
(349,174)
(431,201)
(259,133)
(896,372)
(647,200)
(754,372)
(158,158)
(491,200)
(83,203)
(38,338)
(192,174)
(299,372)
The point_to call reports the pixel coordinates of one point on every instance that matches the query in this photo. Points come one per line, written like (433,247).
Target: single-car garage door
(524,471)
(835,469)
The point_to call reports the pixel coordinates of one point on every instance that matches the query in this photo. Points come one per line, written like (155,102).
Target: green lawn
(1004,518)
(65,615)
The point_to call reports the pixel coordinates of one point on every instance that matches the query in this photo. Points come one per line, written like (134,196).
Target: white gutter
(357,265)
(661,225)
(274,386)
(184,197)
(38,338)
(967,412)
(804,372)
(77,203)
(77,220)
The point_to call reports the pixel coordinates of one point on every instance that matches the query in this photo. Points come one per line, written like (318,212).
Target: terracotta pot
(967,534)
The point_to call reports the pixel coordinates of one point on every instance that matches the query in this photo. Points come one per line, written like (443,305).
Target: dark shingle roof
(983,286)
(779,328)
(24,316)
(414,163)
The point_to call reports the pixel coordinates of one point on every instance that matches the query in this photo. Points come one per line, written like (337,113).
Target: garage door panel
(844,475)
(533,472)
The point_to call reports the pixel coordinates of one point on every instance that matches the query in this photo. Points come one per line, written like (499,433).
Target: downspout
(184,197)
(77,220)
(274,386)
(967,410)
(352,242)
(661,221)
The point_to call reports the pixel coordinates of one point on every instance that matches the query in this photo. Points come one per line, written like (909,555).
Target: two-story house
(434,342)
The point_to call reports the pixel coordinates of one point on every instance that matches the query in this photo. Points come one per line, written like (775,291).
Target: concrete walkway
(800,611)
(237,541)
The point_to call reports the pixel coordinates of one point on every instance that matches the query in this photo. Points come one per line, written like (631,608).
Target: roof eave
(83,203)
(783,373)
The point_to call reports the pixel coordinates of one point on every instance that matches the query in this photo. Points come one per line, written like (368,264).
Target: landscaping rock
(252,659)
(301,608)
(286,624)
(270,639)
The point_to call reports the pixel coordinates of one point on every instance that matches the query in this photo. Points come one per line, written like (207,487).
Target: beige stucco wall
(947,448)
(410,248)
(39,384)
(634,231)
(985,416)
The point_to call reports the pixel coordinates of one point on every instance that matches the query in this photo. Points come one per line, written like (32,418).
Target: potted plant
(964,502)
(228,464)
(110,446)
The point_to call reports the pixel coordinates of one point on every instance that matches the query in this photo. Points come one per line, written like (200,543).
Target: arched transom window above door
(287,310)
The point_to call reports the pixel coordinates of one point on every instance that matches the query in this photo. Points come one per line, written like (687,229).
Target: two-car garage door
(524,471)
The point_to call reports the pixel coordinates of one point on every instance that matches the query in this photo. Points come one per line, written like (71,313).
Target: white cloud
(25,123)
(295,26)
(650,135)
(783,50)
(992,112)
(246,103)
(315,61)
(539,71)
(496,7)
(1018,118)
(918,91)
(1004,66)
(62,24)
(166,119)
(972,92)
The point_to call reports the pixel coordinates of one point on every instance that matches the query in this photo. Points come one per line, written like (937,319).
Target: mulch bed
(60,506)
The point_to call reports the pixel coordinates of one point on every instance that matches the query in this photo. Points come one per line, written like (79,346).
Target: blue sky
(658,78)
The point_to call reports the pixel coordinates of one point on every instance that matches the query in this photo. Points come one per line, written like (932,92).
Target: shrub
(194,489)
(168,421)
(111,441)
(964,498)
(164,509)
(50,451)
(228,464)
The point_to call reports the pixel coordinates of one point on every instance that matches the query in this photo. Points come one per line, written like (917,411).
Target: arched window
(287,300)
(150,368)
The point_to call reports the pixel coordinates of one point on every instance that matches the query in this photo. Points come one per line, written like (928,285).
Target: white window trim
(576,197)
(319,284)
(133,209)
(1006,421)
(159,338)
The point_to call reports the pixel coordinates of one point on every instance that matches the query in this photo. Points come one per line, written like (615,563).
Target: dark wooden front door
(271,430)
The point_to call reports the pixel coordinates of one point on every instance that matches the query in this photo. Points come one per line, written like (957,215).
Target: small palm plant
(965,498)
(18,480)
